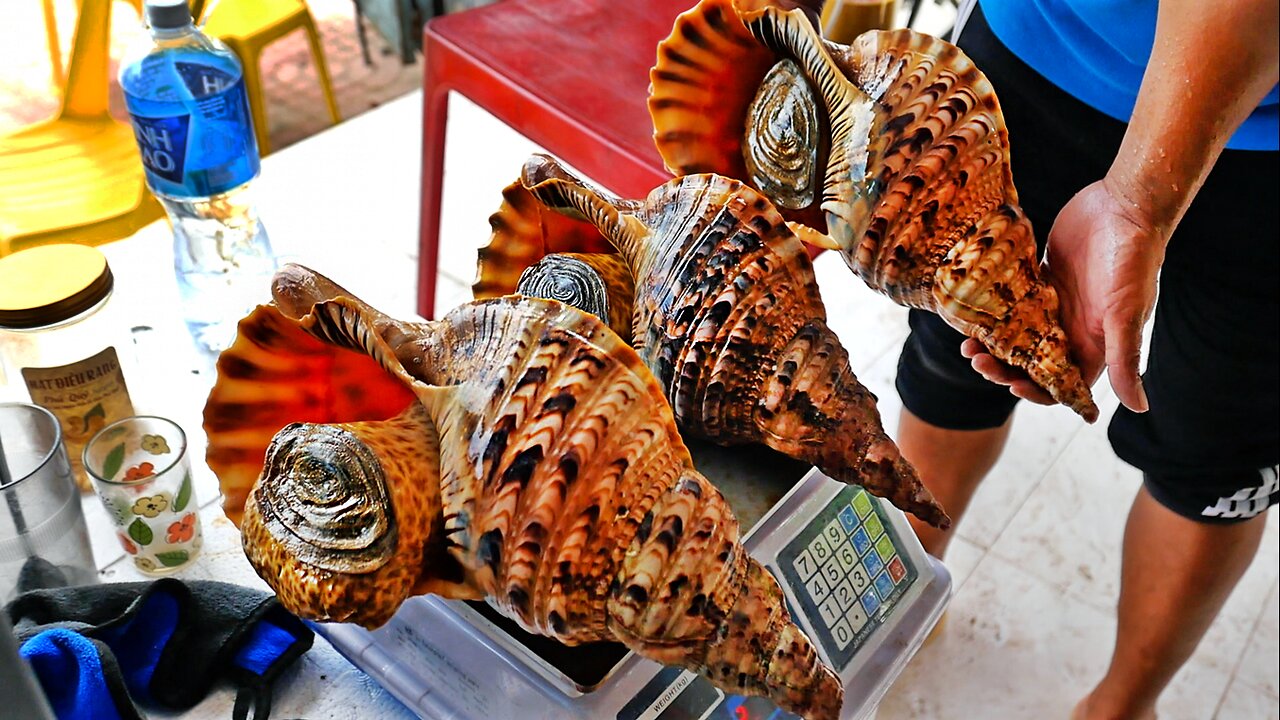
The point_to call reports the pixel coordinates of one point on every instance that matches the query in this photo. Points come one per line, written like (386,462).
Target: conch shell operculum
(533,460)
(728,316)
(917,194)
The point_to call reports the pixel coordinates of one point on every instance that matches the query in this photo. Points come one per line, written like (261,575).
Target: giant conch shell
(727,315)
(515,449)
(895,146)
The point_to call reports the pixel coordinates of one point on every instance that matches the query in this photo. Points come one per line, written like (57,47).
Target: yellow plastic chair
(51,35)
(77,177)
(247,27)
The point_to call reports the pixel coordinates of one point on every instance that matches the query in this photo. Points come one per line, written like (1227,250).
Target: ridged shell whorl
(522,232)
(729,319)
(783,138)
(570,281)
(328,501)
(598,283)
(714,100)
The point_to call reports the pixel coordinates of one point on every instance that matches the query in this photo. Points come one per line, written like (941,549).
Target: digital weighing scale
(854,575)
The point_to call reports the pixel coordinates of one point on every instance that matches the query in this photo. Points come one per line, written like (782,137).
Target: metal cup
(44,541)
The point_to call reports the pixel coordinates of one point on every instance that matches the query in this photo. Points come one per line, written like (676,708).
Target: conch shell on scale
(728,316)
(908,141)
(530,458)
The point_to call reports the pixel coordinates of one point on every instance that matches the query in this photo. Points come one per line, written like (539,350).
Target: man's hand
(1103,258)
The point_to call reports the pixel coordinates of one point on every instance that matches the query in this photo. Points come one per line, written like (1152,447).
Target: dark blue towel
(96,649)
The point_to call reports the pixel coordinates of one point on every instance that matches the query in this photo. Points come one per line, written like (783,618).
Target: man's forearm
(1211,64)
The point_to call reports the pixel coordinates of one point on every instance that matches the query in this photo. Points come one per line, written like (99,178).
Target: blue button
(874,564)
(860,541)
(884,584)
(870,603)
(848,519)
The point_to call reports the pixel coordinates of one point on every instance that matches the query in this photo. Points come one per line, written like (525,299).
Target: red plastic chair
(571,75)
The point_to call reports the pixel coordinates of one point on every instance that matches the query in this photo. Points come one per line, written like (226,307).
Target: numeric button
(804,565)
(829,609)
(817,587)
(819,549)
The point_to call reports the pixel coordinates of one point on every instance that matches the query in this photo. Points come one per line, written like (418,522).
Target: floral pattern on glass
(143,478)
(151,506)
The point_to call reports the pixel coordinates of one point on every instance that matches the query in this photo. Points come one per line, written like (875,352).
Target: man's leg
(1177,574)
(951,463)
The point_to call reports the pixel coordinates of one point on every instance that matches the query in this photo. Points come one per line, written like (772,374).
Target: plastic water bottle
(190,114)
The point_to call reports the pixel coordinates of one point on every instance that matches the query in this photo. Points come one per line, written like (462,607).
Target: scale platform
(854,575)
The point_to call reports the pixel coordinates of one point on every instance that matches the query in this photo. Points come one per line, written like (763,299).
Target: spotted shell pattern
(536,463)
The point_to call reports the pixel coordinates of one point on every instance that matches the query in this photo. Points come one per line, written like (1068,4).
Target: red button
(897,570)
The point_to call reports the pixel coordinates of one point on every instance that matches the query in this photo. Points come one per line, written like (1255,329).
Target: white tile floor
(1036,562)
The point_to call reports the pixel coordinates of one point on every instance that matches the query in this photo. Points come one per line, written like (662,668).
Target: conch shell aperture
(916,193)
(532,459)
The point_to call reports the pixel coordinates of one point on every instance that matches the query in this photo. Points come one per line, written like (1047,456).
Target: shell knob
(567,280)
(323,496)
(782,138)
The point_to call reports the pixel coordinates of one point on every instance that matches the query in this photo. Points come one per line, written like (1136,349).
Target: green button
(884,546)
(874,526)
(862,503)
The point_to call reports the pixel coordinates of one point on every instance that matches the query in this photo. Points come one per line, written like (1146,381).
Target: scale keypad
(846,571)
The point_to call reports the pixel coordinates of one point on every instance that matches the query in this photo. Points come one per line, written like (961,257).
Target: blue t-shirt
(1097,50)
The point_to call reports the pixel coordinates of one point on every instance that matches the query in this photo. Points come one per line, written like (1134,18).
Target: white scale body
(855,578)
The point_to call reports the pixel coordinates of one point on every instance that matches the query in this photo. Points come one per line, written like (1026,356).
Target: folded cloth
(96,648)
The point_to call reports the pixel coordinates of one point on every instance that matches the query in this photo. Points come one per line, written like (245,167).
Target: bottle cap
(50,284)
(168,14)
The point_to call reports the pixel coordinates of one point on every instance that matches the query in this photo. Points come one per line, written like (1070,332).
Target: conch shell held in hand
(531,458)
(728,316)
(907,137)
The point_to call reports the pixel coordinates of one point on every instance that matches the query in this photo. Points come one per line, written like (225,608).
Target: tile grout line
(1048,469)
(1231,678)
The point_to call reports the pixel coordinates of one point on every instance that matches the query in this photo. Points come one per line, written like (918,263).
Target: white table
(346,203)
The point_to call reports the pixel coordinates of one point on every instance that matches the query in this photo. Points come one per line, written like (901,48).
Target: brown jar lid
(51,284)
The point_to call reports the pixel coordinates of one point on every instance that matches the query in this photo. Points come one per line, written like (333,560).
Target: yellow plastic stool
(51,36)
(247,27)
(77,177)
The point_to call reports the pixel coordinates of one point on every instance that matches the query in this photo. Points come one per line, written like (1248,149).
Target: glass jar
(61,339)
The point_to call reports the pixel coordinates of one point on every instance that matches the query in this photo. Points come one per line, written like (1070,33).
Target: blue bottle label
(163,143)
(202,80)
(201,143)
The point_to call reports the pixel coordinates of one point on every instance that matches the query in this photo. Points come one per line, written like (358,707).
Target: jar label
(85,396)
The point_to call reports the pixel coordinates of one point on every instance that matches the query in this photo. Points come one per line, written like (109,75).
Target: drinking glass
(142,474)
(44,541)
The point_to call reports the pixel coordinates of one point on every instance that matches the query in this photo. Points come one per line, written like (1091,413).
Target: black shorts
(1208,447)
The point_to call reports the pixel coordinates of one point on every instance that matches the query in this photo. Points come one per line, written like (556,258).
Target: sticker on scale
(676,694)
(673,694)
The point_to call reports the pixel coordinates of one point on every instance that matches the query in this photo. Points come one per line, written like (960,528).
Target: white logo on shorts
(1249,501)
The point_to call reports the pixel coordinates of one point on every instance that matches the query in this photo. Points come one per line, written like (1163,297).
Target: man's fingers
(1123,341)
(971,347)
(996,371)
(1001,373)
(1031,392)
